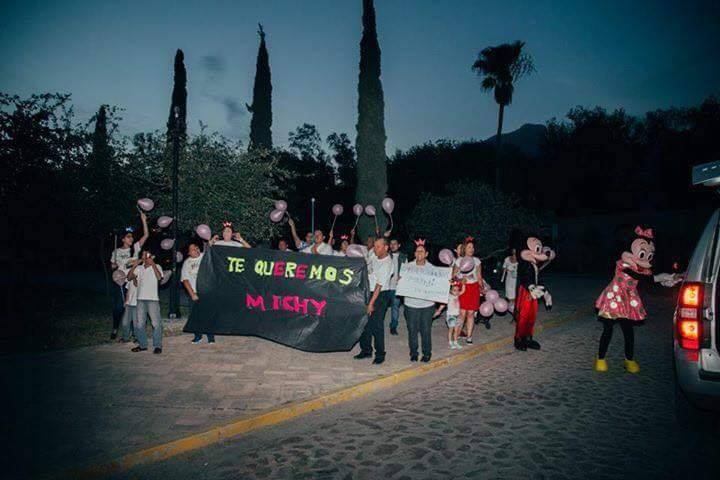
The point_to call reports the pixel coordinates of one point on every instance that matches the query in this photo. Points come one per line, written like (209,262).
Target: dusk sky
(640,55)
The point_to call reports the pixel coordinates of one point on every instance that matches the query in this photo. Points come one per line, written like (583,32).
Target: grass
(58,318)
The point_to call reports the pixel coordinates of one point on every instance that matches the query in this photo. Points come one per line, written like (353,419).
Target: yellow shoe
(601,365)
(632,366)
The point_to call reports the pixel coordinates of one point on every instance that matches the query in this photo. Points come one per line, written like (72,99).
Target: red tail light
(689,316)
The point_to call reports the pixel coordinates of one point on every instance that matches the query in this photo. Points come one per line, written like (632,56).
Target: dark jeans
(118,298)
(419,320)
(375,327)
(627,328)
(395,302)
(198,336)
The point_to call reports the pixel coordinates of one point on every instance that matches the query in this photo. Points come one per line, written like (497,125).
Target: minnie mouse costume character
(620,302)
(533,258)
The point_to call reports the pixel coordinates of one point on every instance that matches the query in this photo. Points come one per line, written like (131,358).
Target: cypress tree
(261,108)
(370,142)
(179,98)
(100,158)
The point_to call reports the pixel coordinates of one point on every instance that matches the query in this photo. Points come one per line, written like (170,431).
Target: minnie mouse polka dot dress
(620,298)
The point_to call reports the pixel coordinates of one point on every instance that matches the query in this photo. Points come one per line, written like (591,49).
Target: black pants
(118,297)
(375,327)
(628,332)
(419,320)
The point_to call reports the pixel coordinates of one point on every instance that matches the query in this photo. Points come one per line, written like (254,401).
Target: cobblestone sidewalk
(78,407)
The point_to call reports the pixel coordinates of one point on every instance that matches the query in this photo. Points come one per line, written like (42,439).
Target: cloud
(213,64)
(234,110)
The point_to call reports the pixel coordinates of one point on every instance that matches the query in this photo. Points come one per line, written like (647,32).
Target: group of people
(136,298)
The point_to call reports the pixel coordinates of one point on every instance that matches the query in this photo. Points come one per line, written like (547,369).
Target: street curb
(296,409)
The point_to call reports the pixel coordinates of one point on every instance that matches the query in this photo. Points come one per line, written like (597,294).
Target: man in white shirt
(300,244)
(398,258)
(318,247)
(148,274)
(188,277)
(380,273)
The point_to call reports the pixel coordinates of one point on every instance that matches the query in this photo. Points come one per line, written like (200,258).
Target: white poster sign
(428,282)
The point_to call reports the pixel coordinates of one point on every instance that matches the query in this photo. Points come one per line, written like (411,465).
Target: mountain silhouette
(527,138)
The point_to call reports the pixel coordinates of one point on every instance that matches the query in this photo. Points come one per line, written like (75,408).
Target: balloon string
(376,224)
(357,219)
(333,224)
(391,221)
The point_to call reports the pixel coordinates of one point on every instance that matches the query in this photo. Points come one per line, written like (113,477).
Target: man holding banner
(379,274)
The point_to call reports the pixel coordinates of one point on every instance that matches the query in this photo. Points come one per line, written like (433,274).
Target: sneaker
(362,355)
(195,341)
(458,346)
(157,350)
(211,342)
(393,331)
(452,345)
(468,340)
(425,358)
(138,349)
(413,358)
(113,335)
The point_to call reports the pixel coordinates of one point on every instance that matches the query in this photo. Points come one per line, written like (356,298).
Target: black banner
(311,302)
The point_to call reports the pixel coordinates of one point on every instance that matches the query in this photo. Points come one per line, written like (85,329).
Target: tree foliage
(470,208)
(261,108)
(371,138)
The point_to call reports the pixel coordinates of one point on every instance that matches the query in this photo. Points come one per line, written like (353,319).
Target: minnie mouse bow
(226,224)
(420,242)
(648,233)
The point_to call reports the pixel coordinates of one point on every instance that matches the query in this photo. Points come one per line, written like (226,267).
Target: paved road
(505,415)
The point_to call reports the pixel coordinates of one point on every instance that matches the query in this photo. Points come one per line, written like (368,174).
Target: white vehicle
(696,327)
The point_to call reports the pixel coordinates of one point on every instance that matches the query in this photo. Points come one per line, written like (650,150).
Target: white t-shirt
(190,270)
(339,253)
(131,296)
(511,268)
(147,288)
(122,257)
(472,274)
(396,270)
(231,243)
(419,302)
(322,249)
(453,306)
(380,272)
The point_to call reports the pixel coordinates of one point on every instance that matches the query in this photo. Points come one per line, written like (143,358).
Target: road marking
(296,409)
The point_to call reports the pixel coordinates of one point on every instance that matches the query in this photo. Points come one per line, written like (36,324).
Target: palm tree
(501,66)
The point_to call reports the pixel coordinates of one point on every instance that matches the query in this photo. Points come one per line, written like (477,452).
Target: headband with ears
(227,224)
(647,233)
(420,242)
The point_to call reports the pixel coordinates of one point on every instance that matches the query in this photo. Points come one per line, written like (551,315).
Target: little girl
(452,318)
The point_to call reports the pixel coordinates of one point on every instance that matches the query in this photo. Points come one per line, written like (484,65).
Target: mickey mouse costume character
(533,258)
(620,302)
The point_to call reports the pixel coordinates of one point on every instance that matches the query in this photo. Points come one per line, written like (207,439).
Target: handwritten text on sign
(428,282)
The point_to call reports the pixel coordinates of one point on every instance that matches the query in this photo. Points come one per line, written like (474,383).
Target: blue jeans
(118,299)
(151,308)
(394,309)
(129,318)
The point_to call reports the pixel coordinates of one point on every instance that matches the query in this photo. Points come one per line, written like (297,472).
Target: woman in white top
(509,276)
(148,275)
(419,312)
(470,299)
(121,259)
(230,238)
(188,277)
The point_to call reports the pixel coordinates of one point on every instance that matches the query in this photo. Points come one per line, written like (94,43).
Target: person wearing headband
(230,238)
(121,259)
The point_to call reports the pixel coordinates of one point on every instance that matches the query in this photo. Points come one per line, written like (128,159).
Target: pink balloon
(178,256)
(487,309)
(370,210)
(277,215)
(501,305)
(164,221)
(119,277)
(466,264)
(357,209)
(491,296)
(354,251)
(337,210)
(167,243)
(446,256)
(146,204)
(203,231)
(281,205)
(388,204)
